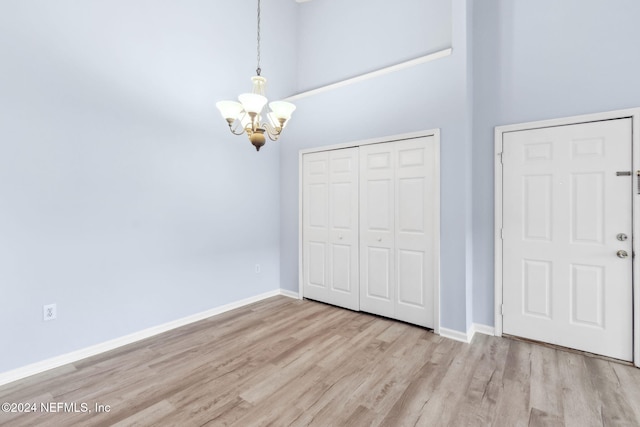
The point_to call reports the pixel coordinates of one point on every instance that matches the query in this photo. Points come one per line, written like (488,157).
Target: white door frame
(634,114)
(436,136)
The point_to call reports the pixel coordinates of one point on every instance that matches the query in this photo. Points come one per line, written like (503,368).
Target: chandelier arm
(273,137)
(234,130)
(271,130)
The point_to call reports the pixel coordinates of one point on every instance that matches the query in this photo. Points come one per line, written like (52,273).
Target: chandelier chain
(258,70)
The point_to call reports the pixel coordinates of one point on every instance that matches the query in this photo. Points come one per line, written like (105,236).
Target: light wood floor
(287,362)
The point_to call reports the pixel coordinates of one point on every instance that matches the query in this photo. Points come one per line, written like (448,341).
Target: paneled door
(377,236)
(398,229)
(567,244)
(330,227)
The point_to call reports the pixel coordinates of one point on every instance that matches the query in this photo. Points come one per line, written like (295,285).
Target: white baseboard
(55,362)
(452,334)
(290,294)
(475,328)
(483,329)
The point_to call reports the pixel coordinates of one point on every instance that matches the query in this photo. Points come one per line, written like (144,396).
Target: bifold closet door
(330,227)
(398,229)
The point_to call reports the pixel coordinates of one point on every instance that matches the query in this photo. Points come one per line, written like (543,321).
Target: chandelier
(252,115)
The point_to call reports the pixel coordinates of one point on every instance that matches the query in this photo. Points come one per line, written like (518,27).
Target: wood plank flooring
(285,362)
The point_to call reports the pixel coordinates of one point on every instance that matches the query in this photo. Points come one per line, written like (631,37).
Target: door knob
(379,239)
(622,237)
(622,254)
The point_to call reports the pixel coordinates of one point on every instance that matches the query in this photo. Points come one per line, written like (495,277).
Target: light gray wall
(433,95)
(542,60)
(339,40)
(123,198)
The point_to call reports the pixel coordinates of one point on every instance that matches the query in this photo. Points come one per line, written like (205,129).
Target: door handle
(622,254)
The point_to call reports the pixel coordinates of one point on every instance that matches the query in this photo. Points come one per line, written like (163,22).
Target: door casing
(436,135)
(634,114)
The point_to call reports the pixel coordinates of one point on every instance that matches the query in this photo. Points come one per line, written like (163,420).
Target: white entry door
(567,243)
(398,229)
(330,227)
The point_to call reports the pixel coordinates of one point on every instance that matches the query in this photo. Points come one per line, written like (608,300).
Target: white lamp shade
(229,109)
(282,109)
(252,103)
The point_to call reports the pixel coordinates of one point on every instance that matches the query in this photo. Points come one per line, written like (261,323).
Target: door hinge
(502,233)
(501,154)
(502,309)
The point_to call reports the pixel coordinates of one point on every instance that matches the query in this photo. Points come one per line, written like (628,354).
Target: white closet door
(399,229)
(315,225)
(343,228)
(377,275)
(330,227)
(415,232)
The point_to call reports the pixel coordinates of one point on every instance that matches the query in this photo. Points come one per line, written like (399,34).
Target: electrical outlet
(49,312)
(257,268)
